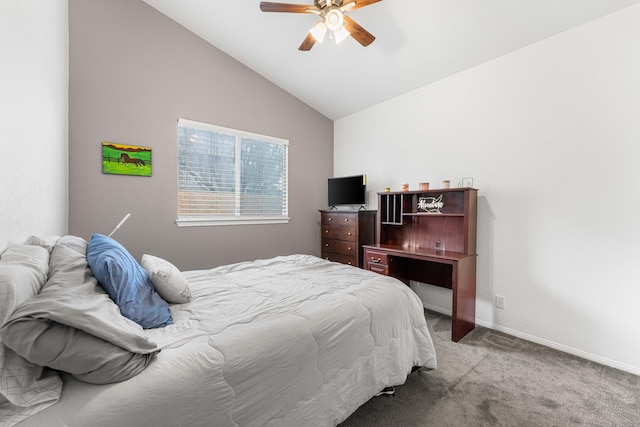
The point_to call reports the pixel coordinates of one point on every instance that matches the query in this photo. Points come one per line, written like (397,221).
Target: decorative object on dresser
(344,233)
(430,236)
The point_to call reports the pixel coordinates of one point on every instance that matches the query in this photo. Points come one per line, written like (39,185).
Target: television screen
(347,190)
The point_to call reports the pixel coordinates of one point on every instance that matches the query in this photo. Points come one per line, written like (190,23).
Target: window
(228,176)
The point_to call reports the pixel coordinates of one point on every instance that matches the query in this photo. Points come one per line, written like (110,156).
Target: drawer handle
(376,260)
(326,231)
(330,218)
(346,220)
(326,245)
(349,248)
(349,234)
(349,263)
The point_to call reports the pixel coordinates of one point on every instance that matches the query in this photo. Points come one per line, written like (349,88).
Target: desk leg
(464,298)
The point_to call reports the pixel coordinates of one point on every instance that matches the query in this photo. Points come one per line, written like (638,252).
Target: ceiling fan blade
(267,6)
(361,3)
(362,36)
(347,6)
(307,43)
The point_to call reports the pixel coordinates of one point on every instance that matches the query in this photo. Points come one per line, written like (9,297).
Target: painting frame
(123,159)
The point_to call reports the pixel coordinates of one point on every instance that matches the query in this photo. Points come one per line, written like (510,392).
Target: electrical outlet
(500,301)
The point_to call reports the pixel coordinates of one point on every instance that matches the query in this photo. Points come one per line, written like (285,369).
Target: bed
(289,341)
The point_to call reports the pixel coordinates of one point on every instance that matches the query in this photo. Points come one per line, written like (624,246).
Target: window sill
(206,222)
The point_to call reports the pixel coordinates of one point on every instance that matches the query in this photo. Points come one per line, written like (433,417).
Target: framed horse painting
(120,159)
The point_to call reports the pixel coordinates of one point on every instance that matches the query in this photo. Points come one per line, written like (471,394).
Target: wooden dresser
(344,233)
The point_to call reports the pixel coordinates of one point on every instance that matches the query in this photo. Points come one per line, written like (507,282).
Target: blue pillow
(127,283)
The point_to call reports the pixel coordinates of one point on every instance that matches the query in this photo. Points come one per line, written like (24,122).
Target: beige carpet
(493,379)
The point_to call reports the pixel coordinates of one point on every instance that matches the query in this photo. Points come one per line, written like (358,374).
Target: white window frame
(237,218)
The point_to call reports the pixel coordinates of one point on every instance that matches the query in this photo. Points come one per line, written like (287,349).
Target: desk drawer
(343,247)
(376,261)
(374,257)
(378,268)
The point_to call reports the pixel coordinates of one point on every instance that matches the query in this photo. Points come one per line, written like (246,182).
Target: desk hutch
(430,236)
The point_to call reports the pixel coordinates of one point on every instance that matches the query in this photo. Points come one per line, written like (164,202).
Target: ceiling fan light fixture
(340,34)
(318,31)
(334,19)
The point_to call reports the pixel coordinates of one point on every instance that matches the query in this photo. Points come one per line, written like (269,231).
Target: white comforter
(292,341)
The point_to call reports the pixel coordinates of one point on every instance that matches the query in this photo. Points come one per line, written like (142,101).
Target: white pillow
(167,279)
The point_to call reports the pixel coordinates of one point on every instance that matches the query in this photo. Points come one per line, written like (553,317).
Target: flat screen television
(347,190)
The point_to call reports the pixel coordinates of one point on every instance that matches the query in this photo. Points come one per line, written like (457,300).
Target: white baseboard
(437,309)
(532,338)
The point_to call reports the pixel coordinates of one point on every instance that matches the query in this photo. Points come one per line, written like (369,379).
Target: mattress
(288,341)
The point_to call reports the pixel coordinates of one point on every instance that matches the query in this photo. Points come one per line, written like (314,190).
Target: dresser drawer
(344,259)
(338,218)
(340,246)
(340,232)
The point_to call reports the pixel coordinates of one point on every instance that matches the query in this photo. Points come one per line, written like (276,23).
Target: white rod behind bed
(126,217)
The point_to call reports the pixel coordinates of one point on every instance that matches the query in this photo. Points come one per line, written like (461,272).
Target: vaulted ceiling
(418,42)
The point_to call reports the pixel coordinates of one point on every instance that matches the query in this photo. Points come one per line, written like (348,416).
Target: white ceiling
(417,42)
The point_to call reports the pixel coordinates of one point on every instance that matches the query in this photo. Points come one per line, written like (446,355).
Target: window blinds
(226,174)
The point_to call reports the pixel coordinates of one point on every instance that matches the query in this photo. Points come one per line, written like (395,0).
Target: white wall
(33,118)
(551,136)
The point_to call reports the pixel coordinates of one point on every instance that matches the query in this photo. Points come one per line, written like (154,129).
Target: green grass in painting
(125,169)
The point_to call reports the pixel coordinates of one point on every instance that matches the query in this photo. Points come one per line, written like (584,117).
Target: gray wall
(133,73)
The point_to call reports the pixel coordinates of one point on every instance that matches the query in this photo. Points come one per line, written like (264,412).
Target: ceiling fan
(333,20)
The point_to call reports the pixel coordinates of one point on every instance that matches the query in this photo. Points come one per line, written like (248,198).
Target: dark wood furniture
(430,237)
(344,233)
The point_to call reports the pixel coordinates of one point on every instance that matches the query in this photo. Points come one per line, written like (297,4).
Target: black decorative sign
(430,204)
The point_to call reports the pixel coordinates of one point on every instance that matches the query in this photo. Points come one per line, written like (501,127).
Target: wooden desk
(413,230)
(451,270)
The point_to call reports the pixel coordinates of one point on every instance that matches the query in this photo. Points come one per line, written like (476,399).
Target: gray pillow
(167,279)
(23,272)
(47,242)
